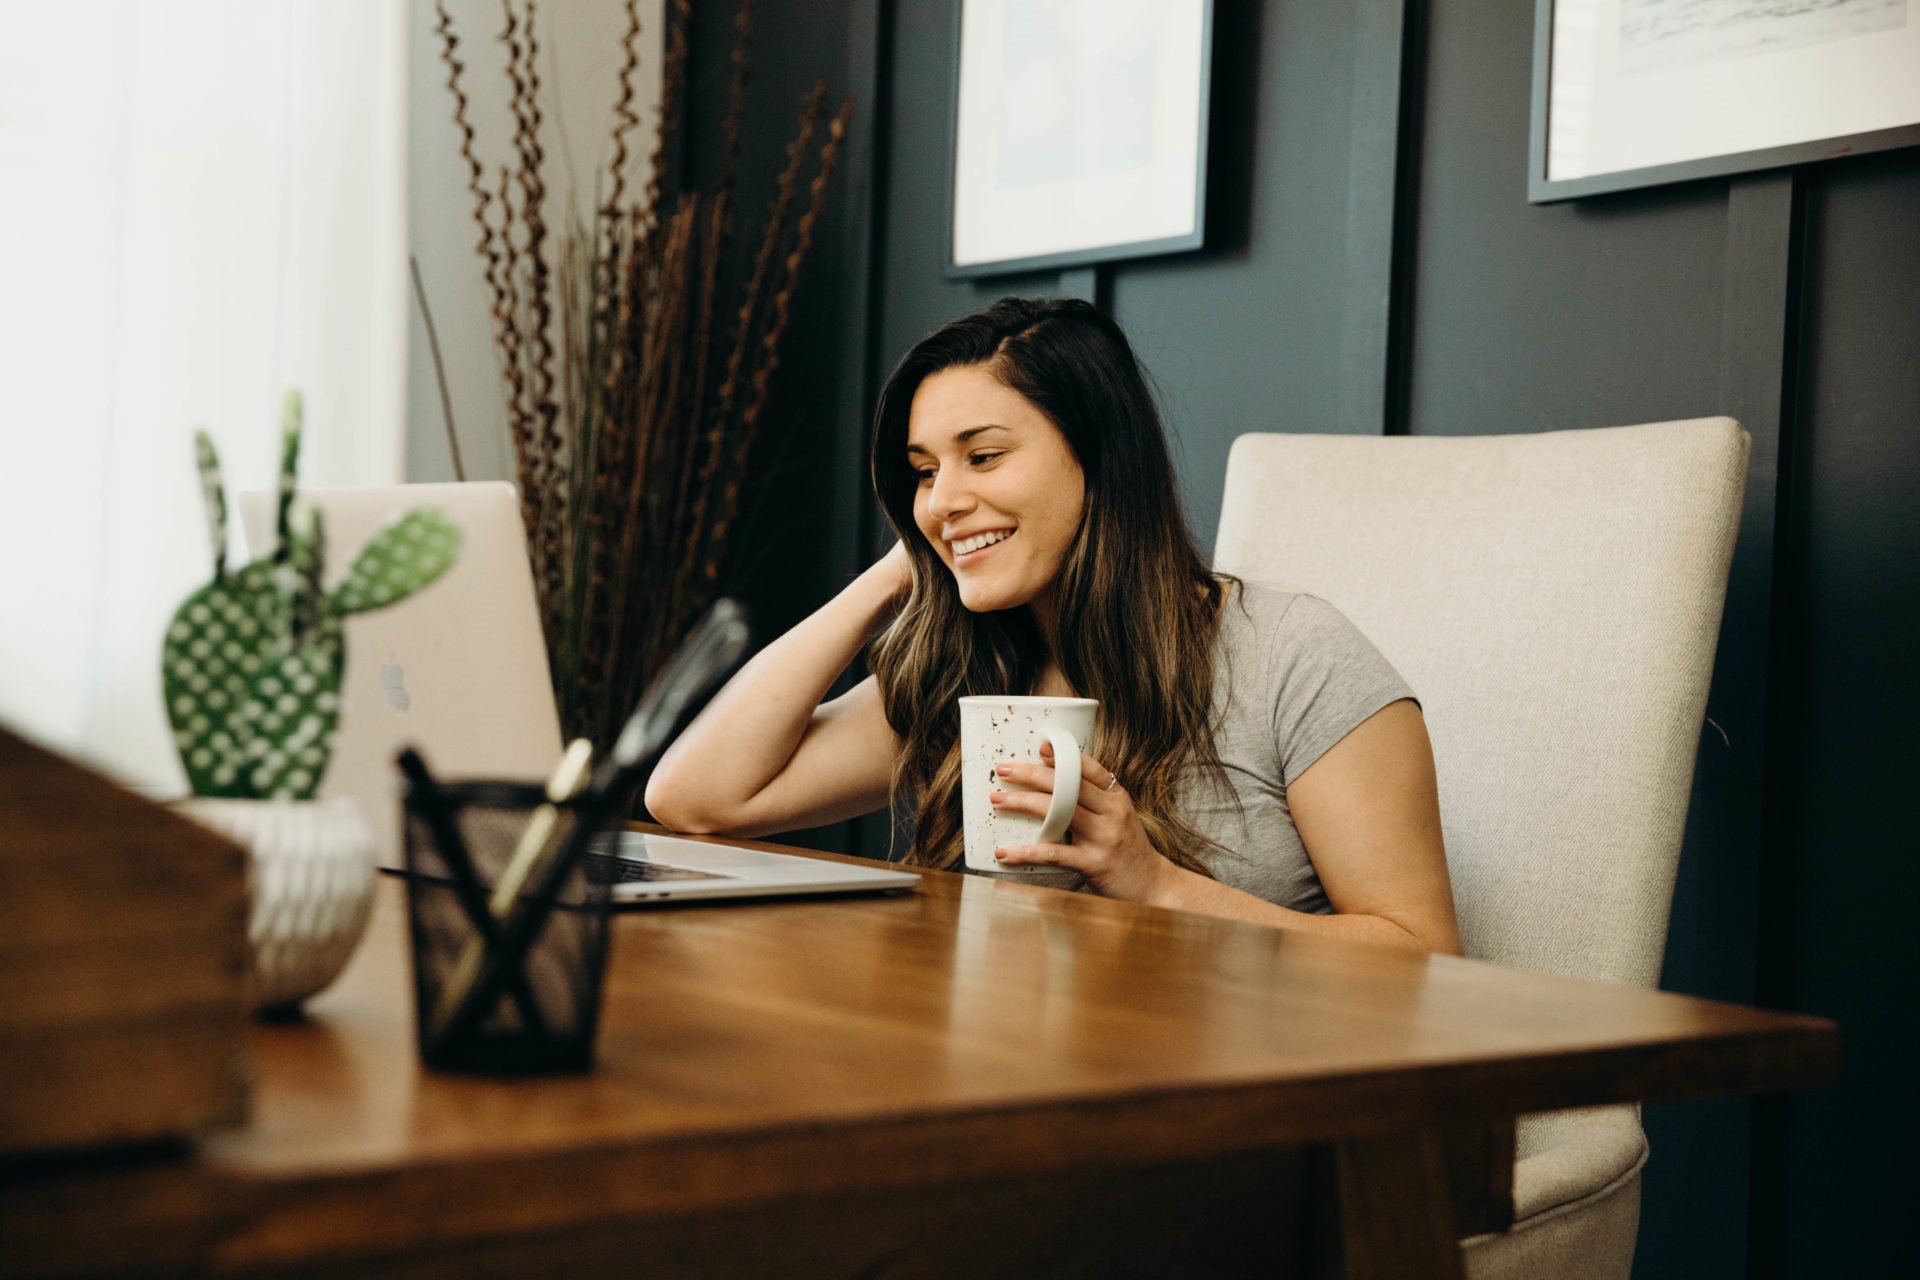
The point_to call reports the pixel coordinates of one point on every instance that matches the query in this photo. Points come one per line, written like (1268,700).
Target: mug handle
(1066,787)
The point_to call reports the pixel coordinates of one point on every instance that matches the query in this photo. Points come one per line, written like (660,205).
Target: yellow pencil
(566,779)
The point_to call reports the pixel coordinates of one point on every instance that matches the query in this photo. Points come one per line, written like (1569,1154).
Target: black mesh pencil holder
(513,990)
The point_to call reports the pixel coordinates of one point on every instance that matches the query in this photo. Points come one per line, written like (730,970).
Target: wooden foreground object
(123,954)
(980,1078)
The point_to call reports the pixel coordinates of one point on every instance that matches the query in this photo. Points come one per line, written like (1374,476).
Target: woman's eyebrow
(960,437)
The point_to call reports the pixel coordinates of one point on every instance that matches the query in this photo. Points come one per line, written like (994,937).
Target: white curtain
(202,204)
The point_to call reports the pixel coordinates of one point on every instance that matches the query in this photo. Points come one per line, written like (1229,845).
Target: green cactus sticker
(403,557)
(252,662)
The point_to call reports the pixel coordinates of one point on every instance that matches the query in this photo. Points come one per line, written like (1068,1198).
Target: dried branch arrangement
(637,346)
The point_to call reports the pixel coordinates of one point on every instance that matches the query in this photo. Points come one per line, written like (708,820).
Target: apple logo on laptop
(393,678)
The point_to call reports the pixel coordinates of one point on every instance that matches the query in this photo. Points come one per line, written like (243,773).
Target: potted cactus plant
(251,667)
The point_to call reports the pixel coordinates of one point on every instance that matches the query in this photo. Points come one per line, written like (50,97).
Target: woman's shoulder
(1306,663)
(1280,622)
(1263,606)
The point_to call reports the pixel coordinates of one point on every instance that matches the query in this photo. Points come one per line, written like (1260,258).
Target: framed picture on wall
(1079,132)
(1634,93)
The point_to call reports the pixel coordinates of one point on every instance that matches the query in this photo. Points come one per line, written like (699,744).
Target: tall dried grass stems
(635,393)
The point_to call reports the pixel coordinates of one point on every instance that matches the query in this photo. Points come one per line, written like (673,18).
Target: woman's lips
(972,558)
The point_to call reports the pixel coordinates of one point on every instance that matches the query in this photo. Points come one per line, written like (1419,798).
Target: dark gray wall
(1837,1180)
(1784,299)
(808,466)
(804,525)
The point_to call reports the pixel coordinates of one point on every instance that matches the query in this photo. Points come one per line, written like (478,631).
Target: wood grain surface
(123,954)
(909,1050)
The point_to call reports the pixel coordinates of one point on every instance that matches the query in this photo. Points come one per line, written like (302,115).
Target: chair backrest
(1555,600)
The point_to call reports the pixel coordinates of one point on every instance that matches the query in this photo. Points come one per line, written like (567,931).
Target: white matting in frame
(1664,90)
(1079,131)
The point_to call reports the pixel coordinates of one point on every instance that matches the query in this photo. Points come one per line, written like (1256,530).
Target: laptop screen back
(457,670)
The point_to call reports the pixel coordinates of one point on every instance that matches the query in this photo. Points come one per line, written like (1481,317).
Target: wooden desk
(980,1078)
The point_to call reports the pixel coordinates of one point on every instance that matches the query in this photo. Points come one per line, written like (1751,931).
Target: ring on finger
(1113,780)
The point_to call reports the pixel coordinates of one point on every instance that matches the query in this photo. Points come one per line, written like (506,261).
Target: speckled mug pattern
(993,729)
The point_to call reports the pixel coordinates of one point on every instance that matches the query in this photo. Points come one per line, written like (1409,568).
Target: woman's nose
(951,494)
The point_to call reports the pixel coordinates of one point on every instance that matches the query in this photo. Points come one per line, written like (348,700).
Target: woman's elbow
(1422,933)
(669,805)
(1439,937)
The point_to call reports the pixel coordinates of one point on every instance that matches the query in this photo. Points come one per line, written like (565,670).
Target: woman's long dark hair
(1137,607)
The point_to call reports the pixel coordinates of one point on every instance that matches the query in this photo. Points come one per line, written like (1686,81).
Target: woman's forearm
(1186,891)
(749,732)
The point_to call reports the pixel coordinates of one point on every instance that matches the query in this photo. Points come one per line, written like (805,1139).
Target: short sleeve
(1328,679)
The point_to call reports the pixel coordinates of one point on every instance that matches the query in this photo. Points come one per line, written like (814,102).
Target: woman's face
(1000,492)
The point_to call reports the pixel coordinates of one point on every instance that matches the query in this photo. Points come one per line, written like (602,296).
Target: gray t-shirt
(1292,676)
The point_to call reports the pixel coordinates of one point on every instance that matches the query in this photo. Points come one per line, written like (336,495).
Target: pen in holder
(513,990)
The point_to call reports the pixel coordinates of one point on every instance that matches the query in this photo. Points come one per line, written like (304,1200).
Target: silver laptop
(653,868)
(458,670)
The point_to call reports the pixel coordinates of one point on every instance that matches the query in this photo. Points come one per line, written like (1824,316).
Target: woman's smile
(973,548)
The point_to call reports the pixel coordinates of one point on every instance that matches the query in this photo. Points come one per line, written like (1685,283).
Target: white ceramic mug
(996,729)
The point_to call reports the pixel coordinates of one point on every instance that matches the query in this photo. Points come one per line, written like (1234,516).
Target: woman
(1254,757)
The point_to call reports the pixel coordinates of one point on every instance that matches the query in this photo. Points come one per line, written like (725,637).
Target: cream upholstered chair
(1555,600)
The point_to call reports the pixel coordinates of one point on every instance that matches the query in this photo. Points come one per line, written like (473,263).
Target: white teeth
(980,540)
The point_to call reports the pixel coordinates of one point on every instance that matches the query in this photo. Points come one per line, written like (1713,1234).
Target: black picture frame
(1194,238)
(1543,190)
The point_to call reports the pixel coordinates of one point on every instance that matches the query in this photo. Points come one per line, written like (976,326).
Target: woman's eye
(922,477)
(981,459)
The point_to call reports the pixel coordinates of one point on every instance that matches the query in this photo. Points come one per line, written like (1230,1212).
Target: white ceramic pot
(312,879)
